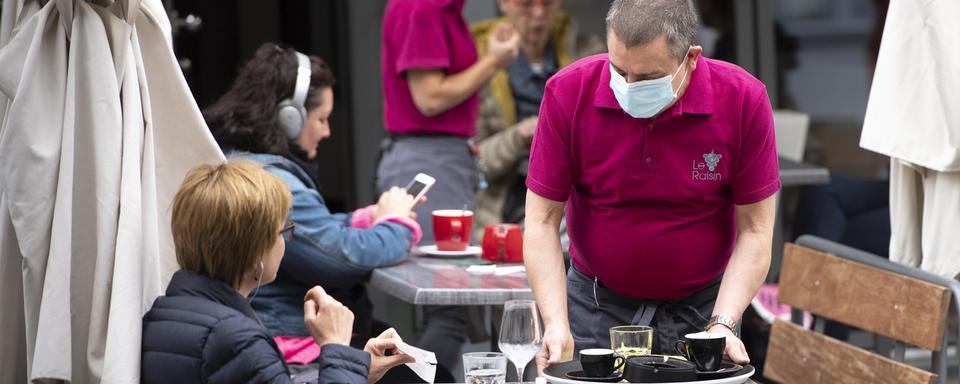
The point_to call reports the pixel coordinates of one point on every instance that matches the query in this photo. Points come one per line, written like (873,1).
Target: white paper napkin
(503,271)
(426,364)
(481,269)
(496,270)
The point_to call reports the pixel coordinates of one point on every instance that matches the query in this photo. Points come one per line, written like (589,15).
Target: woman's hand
(328,321)
(394,203)
(380,363)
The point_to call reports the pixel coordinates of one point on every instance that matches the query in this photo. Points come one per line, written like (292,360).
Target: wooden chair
(836,282)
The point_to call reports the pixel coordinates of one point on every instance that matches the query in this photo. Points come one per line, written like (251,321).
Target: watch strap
(725,321)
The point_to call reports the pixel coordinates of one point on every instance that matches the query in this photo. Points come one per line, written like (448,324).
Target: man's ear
(692,55)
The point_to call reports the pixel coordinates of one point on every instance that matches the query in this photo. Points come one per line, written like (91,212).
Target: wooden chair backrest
(884,302)
(900,307)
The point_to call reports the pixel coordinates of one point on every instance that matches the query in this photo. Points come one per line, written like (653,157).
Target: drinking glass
(521,333)
(484,368)
(631,340)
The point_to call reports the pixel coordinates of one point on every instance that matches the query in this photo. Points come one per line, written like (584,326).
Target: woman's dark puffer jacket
(203,331)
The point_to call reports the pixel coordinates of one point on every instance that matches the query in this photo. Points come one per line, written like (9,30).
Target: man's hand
(503,45)
(734,350)
(557,347)
(526,128)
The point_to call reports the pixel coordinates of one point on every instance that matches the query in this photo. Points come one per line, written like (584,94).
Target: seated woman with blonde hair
(229,230)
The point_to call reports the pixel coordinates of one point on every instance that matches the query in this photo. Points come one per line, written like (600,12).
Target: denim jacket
(325,251)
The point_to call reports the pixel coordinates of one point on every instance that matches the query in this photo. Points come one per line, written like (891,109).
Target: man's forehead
(645,59)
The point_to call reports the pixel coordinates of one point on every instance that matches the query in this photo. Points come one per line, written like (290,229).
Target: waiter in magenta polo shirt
(666,163)
(431,74)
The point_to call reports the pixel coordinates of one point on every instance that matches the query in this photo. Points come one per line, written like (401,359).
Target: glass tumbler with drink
(485,368)
(631,340)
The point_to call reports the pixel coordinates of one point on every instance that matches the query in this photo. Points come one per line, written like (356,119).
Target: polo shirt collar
(697,99)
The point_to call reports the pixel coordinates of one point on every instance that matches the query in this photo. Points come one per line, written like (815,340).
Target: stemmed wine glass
(521,333)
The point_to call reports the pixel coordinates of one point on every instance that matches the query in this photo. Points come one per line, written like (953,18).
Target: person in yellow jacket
(510,104)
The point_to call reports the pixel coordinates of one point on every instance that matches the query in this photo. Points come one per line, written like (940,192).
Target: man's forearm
(745,273)
(543,259)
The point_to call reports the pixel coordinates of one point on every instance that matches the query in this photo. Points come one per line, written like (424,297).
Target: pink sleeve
(551,169)
(362,218)
(407,222)
(757,174)
(424,41)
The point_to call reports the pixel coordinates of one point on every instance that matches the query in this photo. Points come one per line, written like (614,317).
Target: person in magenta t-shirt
(431,74)
(666,164)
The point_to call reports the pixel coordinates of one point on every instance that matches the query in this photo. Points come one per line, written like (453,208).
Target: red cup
(503,243)
(451,229)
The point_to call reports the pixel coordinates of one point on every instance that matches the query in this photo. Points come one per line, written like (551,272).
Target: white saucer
(432,250)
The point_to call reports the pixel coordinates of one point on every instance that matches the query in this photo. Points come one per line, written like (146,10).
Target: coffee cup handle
(500,235)
(680,351)
(456,226)
(618,362)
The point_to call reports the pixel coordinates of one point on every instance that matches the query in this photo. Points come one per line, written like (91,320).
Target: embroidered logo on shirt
(705,171)
(712,159)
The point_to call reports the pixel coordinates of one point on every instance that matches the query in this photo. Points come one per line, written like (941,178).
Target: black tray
(561,370)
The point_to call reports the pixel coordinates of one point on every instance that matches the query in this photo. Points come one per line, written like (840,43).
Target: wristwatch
(725,321)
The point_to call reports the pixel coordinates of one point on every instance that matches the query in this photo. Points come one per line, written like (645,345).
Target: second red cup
(503,243)
(451,229)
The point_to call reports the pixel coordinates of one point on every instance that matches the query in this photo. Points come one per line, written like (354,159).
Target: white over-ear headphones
(292,113)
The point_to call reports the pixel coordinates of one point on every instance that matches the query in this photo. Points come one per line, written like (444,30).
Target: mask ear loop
(259,276)
(677,92)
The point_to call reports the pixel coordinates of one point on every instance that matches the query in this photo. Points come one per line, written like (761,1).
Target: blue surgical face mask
(644,99)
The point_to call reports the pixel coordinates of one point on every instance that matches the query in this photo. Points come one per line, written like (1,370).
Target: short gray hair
(638,22)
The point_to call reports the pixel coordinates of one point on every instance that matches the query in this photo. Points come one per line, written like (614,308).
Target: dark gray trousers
(594,309)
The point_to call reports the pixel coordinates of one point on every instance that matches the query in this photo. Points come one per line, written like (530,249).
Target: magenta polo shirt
(650,202)
(425,34)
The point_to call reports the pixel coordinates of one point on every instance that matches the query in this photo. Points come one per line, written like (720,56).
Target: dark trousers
(594,309)
(849,210)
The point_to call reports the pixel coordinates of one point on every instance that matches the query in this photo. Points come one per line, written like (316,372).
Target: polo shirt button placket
(648,159)
(649,152)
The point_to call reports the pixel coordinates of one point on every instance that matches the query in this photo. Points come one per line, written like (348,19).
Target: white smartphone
(420,185)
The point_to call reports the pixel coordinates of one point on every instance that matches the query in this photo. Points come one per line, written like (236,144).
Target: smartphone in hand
(419,186)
